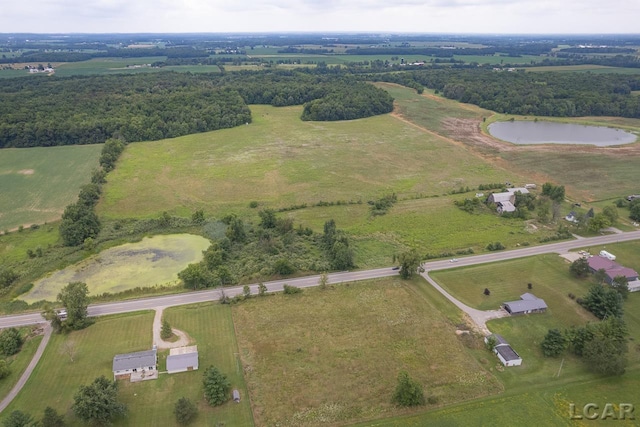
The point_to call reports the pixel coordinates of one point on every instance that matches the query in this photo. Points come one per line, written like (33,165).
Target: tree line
(86,110)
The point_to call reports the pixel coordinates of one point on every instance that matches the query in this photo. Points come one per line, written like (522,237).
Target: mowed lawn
(279,161)
(18,362)
(37,183)
(332,356)
(56,378)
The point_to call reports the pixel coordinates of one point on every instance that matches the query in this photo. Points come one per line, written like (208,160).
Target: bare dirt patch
(26,172)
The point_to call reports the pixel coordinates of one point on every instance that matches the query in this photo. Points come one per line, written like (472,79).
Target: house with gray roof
(138,366)
(505,201)
(502,349)
(528,303)
(182,359)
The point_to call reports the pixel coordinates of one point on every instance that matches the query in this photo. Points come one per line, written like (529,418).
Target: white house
(139,366)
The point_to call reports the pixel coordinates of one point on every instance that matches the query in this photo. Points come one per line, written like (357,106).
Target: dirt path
(27,373)
(157,328)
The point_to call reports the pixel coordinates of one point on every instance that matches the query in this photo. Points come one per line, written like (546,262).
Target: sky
(405,16)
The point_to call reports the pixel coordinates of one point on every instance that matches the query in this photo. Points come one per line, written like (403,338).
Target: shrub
(408,392)
(185,411)
(290,290)
(496,246)
(10,341)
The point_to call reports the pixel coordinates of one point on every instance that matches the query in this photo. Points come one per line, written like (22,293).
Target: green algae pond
(153,261)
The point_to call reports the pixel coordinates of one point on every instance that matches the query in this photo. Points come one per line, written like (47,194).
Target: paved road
(304,282)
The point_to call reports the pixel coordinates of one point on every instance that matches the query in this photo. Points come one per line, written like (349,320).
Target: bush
(4,369)
(289,290)
(408,392)
(10,341)
(283,267)
(496,246)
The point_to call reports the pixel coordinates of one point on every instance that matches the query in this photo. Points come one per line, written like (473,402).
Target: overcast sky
(424,16)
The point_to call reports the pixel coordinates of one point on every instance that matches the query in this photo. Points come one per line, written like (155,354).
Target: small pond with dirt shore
(543,132)
(152,261)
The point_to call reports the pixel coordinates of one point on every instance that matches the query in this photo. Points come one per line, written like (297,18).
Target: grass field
(18,362)
(279,160)
(335,353)
(14,246)
(37,183)
(596,69)
(154,261)
(56,379)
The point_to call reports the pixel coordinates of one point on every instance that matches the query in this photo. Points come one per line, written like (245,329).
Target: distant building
(527,304)
(505,201)
(507,355)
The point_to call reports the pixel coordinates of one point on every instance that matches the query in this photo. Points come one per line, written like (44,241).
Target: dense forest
(544,94)
(86,110)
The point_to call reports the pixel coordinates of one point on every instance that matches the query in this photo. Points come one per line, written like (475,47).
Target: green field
(18,362)
(596,69)
(335,353)
(37,183)
(154,261)
(56,379)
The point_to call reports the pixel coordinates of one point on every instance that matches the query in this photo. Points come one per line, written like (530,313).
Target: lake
(542,132)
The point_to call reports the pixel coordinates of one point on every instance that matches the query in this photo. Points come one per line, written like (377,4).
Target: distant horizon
(526,17)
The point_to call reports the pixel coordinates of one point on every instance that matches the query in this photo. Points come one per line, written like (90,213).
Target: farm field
(153,261)
(149,402)
(337,359)
(37,183)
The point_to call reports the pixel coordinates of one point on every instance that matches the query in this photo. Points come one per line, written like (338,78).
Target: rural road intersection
(309,281)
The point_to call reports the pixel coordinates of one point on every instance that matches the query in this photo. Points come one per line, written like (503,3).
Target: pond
(542,132)
(153,261)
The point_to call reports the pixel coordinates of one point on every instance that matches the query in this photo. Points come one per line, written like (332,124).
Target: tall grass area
(56,379)
(37,183)
(333,355)
(279,161)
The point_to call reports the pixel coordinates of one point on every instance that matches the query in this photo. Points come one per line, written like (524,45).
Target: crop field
(149,402)
(337,360)
(153,261)
(37,183)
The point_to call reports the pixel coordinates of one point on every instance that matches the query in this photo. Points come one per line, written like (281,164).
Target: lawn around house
(56,379)
(19,362)
(333,355)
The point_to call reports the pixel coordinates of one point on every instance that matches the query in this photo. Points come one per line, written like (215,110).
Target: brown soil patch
(26,172)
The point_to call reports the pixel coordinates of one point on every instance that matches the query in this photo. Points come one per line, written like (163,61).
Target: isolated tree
(4,369)
(216,386)
(410,264)
(98,402)
(606,351)
(51,418)
(408,392)
(323,281)
(491,342)
(18,419)
(262,289)
(246,292)
(69,348)
(52,317)
(611,213)
(185,411)
(74,297)
(554,343)
(166,332)
(598,222)
(10,341)
(580,267)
